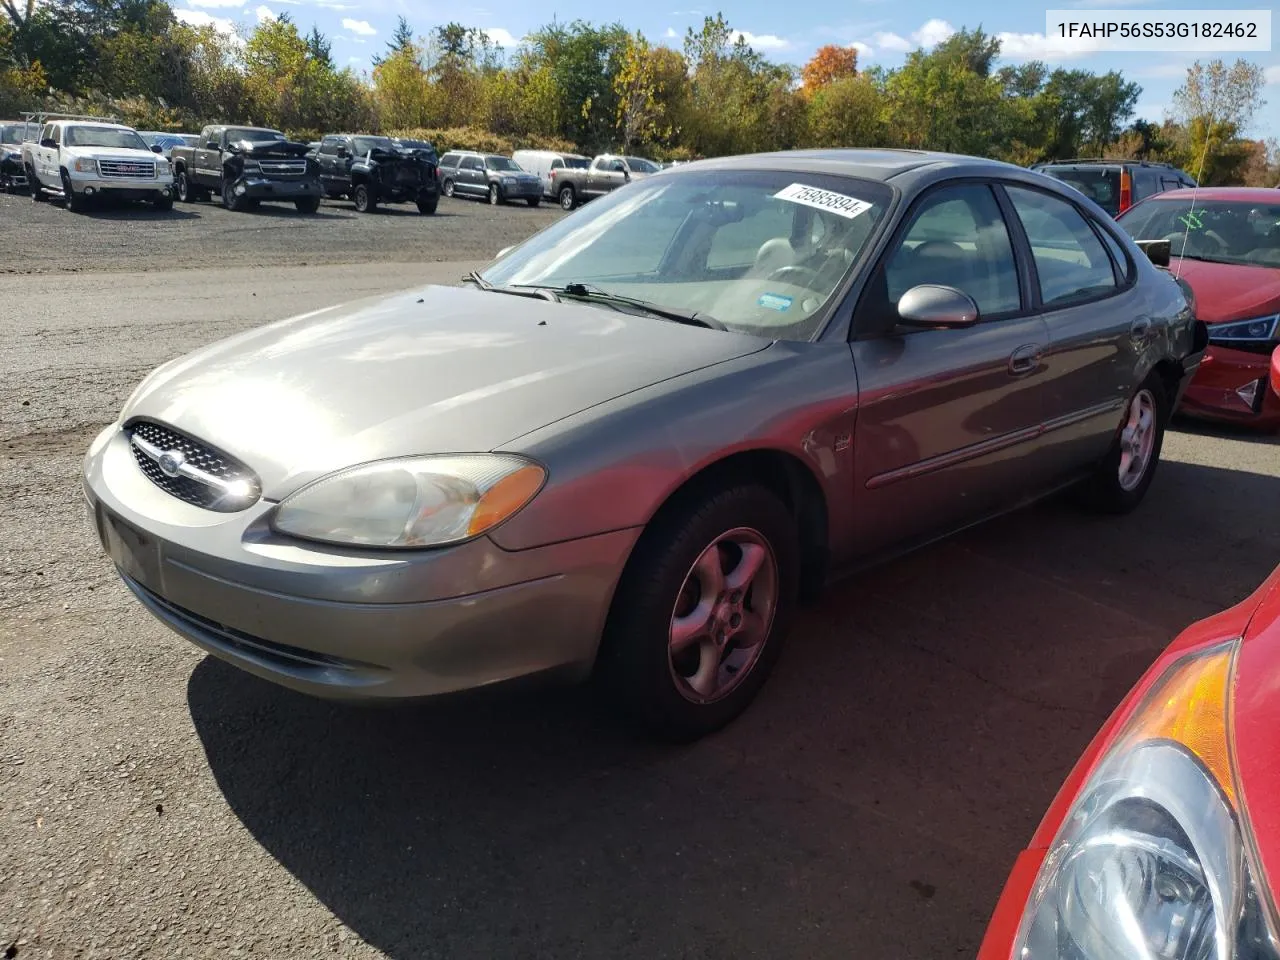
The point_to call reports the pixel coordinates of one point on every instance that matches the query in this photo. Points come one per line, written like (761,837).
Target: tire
(447,188)
(495,195)
(33,184)
(70,202)
(1118,485)
(183,188)
(309,205)
(364,200)
(428,206)
(230,200)
(568,198)
(685,695)
(162,203)
(534,201)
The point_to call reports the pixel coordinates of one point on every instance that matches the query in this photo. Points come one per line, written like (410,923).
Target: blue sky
(883,30)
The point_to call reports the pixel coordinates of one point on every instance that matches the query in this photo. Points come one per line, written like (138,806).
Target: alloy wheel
(1137,439)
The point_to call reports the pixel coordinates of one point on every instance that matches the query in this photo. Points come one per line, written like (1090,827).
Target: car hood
(116,153)
(269,148)
(438,370)
(1229,291)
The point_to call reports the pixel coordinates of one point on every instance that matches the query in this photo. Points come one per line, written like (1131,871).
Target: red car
(1226,245)
(1164,842)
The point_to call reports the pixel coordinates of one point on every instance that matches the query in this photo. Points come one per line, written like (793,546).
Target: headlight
(413,502)
(507,178)
(1151,862)
(250,166)
(84,165)
(1244,331)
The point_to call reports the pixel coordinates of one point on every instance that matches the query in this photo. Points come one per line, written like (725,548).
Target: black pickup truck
(373,170)
(246,165)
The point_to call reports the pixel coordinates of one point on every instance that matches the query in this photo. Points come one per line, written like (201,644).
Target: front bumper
(123,189)
(521,191)
(1233,385)
(348,623)
(261,188)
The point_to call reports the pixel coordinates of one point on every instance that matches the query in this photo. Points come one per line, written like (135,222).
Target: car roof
(94,123)
(869,164)
(1244,194)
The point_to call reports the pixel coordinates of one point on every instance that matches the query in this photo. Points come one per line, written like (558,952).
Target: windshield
(365,144)
(1099,184)
(102,137)
(760,251)
(641,165)
(11,134)
(1225,231)
(248,133)
(502,163)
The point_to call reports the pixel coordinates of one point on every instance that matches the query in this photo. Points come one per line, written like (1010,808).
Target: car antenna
(1186,233)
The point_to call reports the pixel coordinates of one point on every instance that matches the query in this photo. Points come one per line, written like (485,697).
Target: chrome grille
(190,470)
(128,169)
(283,168)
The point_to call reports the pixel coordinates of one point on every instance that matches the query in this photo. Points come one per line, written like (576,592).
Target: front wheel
(70,201)
(447,189)
(162,203)
(364,199)
(701,612)
(1121,480)
(230,200)
(495,195)
(307,205)
(33,184)
(534,201)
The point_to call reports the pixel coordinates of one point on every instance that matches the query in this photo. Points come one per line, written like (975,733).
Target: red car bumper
(1232,385)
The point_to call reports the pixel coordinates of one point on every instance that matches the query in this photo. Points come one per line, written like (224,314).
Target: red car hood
(1256,722)
(1229,291)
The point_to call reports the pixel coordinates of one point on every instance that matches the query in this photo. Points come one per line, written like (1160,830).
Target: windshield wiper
(586,291)
(538,293)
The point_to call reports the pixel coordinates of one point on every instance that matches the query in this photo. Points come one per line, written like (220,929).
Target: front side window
(958,239)
(108,137)
(470,163)
(329,145)
(1071,261)
(365,145)
(761,251)
(641,165)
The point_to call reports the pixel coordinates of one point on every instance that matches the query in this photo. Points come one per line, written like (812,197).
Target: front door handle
(1025,360)
(1140,330)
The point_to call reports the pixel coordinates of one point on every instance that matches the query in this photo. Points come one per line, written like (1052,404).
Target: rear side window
(557,164)
(470,163)
(329,145)
(1072,263)
(449,160)
(577,163)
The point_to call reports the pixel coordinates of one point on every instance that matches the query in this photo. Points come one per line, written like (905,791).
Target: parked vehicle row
(1116,185)
(78,159)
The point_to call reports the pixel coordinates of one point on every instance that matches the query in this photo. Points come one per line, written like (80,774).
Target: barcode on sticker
(837,203)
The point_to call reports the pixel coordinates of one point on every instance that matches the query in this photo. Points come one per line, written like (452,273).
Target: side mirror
(933,305)
(211,145)
(342,152)
(156,148)
(1157,251)
(49,143)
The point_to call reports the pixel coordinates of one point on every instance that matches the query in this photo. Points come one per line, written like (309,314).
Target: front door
(208,160)
(948,419)
(470,177)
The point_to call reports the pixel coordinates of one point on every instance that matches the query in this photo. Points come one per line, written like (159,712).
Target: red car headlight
(1153,859)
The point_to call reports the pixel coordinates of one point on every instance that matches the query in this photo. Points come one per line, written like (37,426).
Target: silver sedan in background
(628,447)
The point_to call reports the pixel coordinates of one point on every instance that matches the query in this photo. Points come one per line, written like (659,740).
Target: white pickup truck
(80,159)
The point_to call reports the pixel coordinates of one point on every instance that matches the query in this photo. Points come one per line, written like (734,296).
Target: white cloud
(1271,75)
(931,33)
(863,49)
(1036,46)
(353,59)
(1162,71)
(264,14)
(361,28)
(764,41)
(670,34)
(686,13)
(349,38)
(501,37)
(198,18)
(217,3)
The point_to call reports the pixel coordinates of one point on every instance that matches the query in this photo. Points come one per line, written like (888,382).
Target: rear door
(471,176)
(46,157)
(948,419)
(1094,315)
(327,161)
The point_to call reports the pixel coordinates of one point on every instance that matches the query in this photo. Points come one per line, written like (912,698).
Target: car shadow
(386,210)
(286,210)
(872,799)
(123,210)
(1223,428)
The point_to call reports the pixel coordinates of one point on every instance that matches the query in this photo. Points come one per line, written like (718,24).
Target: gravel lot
(157,804)
(136,237)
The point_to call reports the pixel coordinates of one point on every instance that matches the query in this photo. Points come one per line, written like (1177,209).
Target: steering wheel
(802,274)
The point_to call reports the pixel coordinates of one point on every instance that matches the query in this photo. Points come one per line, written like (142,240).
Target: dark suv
(1116,185)
(373,170)
(487,175)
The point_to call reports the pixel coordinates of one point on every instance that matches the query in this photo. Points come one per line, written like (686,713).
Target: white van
(542,162)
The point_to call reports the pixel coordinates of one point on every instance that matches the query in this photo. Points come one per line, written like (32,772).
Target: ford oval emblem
(171,462)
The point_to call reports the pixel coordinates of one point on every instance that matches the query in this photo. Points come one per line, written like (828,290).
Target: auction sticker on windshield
(837,203)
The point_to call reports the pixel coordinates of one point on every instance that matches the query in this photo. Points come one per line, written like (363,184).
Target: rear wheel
(534,201)
(33,184)
(701,612)
(1122,478)
(495,195)
(307,204)
(447,189)
(568,200)
(162,203)
(364,199)
(428,204)
(183,187)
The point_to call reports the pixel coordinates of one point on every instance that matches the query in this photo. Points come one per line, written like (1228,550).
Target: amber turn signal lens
(505,497)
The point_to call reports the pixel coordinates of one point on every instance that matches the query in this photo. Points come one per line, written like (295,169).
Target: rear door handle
(1025,360)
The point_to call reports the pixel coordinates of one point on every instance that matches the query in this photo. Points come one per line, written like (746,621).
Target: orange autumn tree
(829,64)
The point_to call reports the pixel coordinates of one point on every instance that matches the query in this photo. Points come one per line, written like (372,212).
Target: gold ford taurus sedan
(626,448)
